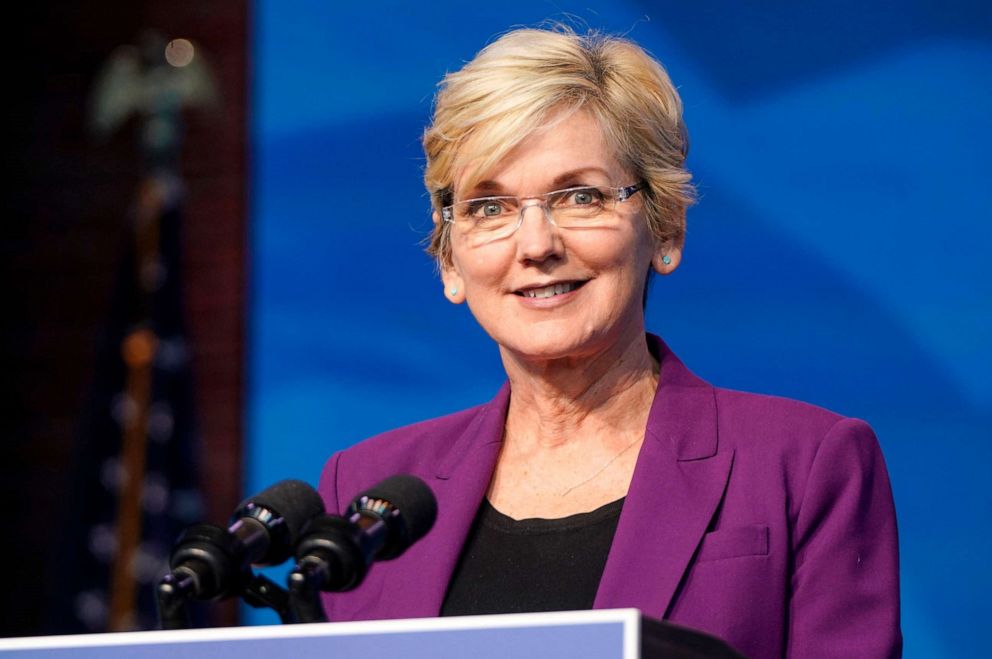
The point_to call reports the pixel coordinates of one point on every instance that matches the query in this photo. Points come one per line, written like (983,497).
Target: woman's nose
(537,236)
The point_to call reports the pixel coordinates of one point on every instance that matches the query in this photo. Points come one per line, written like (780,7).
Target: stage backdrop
(838,254)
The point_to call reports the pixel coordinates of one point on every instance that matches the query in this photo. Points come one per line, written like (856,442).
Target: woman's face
(600,271)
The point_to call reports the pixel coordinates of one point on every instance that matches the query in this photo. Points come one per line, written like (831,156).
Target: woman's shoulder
(415,449)
(775,418)
(798,439)
(768,413)
(752,421)
(420,438)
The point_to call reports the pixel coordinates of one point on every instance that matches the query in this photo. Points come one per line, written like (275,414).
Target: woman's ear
(454,288)
(666,258)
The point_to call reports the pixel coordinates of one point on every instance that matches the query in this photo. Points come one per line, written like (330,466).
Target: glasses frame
(622,194)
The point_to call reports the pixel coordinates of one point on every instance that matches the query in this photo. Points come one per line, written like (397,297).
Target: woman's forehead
(568,148)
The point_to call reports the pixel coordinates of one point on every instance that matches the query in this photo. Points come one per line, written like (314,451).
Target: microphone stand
(258,591)
(332,555)
(172,595)
(305,585)
(262,592)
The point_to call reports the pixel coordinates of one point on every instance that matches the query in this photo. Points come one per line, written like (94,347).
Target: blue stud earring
(666,259)
(452,291)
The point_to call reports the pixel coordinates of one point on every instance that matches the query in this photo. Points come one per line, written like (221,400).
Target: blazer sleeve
(845,582)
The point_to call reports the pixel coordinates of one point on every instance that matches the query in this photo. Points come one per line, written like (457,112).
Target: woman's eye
(581,197)
(485,209)
(491,209)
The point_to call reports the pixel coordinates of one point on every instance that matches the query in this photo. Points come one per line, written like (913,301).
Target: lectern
(607,634)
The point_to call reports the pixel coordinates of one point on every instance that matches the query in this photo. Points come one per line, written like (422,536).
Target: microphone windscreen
(415,503)
(293,500)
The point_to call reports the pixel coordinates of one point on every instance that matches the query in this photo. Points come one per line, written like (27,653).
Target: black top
(516,566)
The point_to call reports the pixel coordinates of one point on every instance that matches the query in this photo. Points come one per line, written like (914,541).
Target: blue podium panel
(611,634)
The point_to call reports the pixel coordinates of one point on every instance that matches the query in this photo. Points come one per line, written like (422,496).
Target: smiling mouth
(552,290)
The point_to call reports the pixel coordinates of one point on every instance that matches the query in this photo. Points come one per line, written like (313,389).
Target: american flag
(136,472)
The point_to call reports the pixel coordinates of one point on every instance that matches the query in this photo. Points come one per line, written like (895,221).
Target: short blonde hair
(511,88)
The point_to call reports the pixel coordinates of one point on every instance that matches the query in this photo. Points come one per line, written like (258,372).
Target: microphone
(268,525)
(335,553)
(393,515)
(209,562)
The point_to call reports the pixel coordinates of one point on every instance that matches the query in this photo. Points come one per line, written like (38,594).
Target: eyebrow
(490,186)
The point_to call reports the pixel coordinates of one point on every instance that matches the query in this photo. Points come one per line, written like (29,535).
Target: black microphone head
(406,504)
(282,509)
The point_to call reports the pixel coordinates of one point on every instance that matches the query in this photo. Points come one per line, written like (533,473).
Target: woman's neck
(573,400)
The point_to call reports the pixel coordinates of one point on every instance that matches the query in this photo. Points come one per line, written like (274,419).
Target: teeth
(550,291)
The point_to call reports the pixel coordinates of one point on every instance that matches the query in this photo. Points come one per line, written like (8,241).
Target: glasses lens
(491,218)
(585,206)
(488,218)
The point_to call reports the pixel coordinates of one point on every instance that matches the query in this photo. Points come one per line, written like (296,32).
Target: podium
(605,634)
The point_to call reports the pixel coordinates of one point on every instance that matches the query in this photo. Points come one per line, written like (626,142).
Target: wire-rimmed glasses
(486,219)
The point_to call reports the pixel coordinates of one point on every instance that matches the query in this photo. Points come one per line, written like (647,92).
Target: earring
(666,259)
(452,291)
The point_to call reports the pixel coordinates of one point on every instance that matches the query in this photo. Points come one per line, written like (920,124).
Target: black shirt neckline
(492,518)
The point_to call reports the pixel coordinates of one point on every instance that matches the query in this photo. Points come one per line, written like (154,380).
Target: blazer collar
(683,413)
(678,482)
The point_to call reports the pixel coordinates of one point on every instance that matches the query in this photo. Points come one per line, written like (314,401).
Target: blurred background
(215,235)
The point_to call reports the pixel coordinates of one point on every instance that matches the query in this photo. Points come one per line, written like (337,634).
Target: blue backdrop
(838,253)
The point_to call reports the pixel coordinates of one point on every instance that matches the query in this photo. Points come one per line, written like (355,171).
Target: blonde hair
(514,85)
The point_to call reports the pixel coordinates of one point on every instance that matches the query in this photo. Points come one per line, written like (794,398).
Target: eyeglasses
(486,219)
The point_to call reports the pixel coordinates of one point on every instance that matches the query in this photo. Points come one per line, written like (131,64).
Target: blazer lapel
(460,483)
(678,483)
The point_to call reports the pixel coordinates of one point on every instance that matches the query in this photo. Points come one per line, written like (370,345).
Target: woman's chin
(539,346)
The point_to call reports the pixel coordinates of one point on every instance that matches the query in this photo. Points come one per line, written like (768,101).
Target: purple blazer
(765,521)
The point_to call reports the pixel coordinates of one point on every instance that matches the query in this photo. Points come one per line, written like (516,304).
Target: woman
(605,474)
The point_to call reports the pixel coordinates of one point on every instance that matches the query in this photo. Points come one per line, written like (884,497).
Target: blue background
(838,253)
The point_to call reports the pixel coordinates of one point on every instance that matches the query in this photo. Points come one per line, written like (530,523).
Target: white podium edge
(630,618)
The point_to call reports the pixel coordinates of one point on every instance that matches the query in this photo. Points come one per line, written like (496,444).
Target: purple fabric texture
(764,521)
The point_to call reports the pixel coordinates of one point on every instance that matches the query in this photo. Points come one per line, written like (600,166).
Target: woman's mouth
(550,291)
